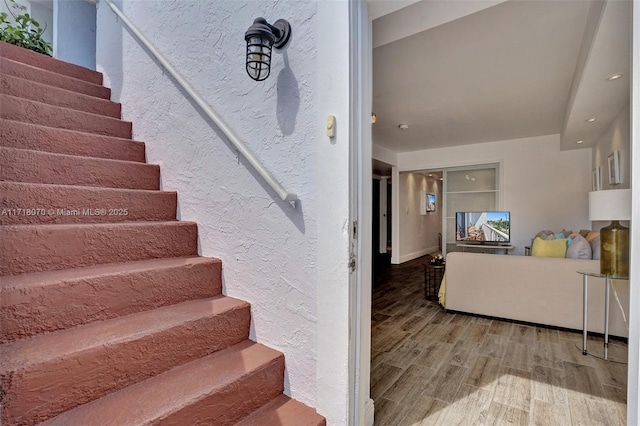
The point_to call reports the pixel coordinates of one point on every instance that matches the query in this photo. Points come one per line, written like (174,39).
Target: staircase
(107,314)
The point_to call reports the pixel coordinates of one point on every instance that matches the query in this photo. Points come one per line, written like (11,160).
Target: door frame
(361,408)
(633,371)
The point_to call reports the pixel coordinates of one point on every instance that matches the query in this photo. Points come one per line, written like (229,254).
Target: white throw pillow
(595,248)
(579,248)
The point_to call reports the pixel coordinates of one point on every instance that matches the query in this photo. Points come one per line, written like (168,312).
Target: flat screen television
(483,227)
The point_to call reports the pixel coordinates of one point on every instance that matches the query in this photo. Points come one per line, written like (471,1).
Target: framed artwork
(596,181)
(431,202)
(614,168)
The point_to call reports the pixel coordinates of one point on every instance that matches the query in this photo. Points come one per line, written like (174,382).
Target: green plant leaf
(26,33)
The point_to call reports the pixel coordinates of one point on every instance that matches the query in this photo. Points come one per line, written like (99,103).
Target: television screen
(481,227)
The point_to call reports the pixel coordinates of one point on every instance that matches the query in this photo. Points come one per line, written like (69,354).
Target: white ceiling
(378,8)
(488,70)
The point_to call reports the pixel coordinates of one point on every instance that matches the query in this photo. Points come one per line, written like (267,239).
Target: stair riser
(46,390)
(16,134)
(27,111)
(28,249)
(234,402)
(31,311)
(37,60)
(53,204)
(26,89)
(18,165)
(286,411)
(38,75)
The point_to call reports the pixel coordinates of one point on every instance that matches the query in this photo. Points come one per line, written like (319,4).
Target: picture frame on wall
(431,202)
(596,181)
(614,168)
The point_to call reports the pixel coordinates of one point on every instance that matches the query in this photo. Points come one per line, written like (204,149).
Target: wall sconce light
(260,37)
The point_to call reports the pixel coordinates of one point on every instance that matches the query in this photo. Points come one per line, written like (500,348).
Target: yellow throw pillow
(549,248)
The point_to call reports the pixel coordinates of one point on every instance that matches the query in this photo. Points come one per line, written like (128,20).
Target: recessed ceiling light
(579,141)
(441,178)
(614,77)
(403,126)
(374,118)
(430,175)
(590,120)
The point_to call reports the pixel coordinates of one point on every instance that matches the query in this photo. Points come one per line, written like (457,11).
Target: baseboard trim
(417,254)
(369,410)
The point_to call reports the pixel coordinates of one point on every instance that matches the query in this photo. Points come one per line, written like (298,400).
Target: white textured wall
(616,138)
(418,233)
(295,279)
(543,187)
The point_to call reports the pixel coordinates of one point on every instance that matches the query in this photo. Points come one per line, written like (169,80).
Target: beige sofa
(538,290)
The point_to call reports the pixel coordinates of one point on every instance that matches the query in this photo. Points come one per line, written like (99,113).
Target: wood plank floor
(429,367)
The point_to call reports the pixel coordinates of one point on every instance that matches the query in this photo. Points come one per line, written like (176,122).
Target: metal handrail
(237,143)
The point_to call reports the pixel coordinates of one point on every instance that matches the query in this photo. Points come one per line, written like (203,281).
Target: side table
(607,280)
(433,275)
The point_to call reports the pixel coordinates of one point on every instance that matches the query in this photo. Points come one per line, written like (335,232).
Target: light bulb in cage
(261,37)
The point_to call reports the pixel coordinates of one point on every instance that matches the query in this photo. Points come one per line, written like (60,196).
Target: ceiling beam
(422,16)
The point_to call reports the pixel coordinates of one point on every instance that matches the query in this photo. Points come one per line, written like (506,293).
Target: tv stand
(496,247)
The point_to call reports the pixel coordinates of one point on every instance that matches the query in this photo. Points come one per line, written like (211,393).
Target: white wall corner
(332,219)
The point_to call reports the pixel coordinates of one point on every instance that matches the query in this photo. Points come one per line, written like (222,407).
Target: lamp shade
(613,204)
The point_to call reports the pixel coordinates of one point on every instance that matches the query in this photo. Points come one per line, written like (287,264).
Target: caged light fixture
(261,37)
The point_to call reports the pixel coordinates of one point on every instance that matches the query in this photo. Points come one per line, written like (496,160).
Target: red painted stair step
(44,62)
(48,301)
(36,248)
(35,203)
(51,373)
(27,89)
(22,165)
(219,389)
(16,134)
(39,75)
(25,110)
